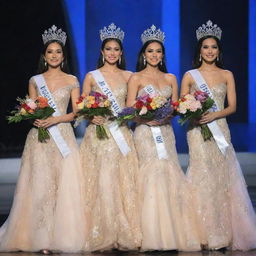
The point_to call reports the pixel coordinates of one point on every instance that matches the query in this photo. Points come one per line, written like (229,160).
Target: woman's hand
(45,123)
(98,120)
(208,117)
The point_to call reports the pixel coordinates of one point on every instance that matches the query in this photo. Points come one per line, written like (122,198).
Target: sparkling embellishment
(152,34)
(111,32)
(54,34)
(95,232)
(208,29)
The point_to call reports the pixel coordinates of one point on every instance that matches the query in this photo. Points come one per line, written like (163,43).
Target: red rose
(149,107)
(95,105)
(175,104)
(149,100)
(139,104)
(81,98)
(25,106)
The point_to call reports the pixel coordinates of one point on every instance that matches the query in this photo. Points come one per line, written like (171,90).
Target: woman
(224,211)
(110,164)
(47,213)
(162,191)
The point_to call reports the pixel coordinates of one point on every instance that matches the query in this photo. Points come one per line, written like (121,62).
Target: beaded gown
(225,213)
(111,204)
(166,218)
(47,210)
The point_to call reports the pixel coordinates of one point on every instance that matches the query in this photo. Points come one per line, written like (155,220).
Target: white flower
(143,111)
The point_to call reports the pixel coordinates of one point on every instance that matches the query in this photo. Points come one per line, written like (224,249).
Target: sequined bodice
(165,91)
(62,96)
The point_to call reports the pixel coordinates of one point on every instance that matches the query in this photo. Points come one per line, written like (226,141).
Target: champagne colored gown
(47,210)
(166,218)
(225,214)
(111,203)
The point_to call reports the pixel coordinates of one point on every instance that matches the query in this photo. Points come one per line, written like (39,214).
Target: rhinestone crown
(111,32)
(152,34)
(54,34)
(208,29)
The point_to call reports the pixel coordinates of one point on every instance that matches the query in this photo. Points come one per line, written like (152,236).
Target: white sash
(113,127)
(213,126)
(156,130)
(53,130)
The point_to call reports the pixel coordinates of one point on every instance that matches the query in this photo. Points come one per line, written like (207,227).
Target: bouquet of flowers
(29,109)
(155,107)
(96,104)
(191,107)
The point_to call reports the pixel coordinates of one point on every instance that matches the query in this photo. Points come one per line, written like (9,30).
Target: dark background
(23,22)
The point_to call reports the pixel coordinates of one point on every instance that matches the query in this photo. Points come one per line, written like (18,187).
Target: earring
(120,61)
(200,58)
(218,58)
(62,64)
(45,63)
(103,59)
(161,63)
(144,60)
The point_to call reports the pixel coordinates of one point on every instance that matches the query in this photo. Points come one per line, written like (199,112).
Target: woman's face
(54,55)
(154,53)
(209,50)
(111,52)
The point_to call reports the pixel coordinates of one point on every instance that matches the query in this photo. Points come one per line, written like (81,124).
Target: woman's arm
(87,84)
(174,84)
(32,92)
(185,84)
(133,88)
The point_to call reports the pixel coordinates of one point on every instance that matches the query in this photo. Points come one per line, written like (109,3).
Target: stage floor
(155,253)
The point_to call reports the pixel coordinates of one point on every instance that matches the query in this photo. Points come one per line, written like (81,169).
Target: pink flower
(195,105)
(201,96)
(31,104)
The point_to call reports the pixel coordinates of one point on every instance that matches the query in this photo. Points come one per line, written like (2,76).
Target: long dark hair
(197,63)
(41,64)
(122,64)
(140,62)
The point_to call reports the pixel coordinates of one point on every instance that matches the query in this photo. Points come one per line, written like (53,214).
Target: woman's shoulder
(126,74)
(71,79)
(136,76)
(187,78)
(226,72)
(170,76)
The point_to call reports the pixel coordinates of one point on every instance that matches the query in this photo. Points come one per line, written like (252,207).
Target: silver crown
(152,34)
(208,29)
(111,32)
(54,34)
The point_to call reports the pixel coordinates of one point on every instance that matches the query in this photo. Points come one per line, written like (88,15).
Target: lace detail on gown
(47,211)
(224,212)
(167,221)
(110,187)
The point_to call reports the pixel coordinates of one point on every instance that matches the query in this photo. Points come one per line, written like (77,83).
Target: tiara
(111,32)
(208,30)
(54,34)
(152,34)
